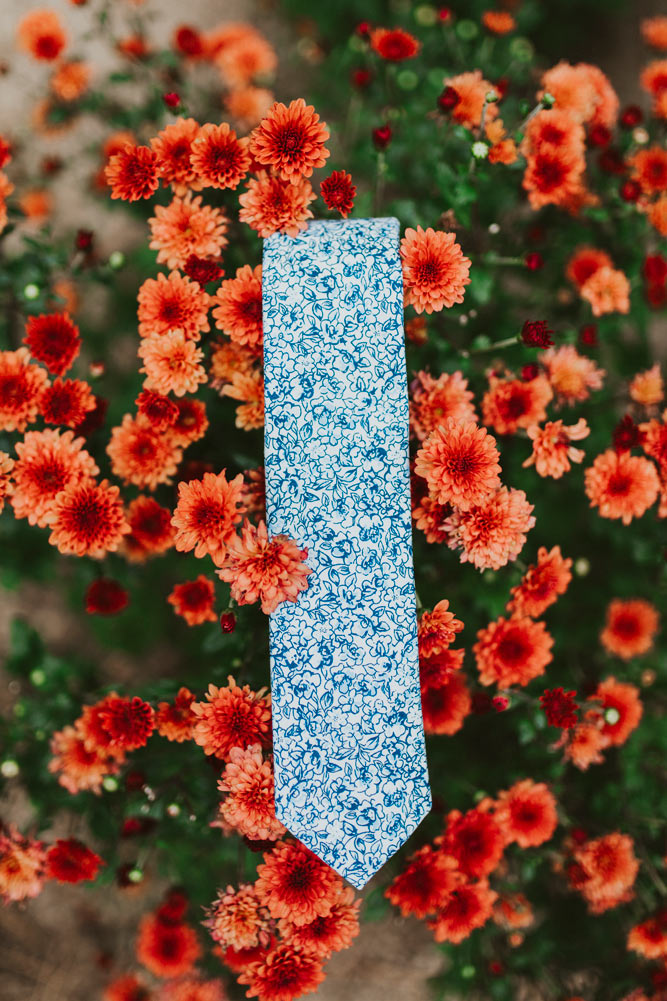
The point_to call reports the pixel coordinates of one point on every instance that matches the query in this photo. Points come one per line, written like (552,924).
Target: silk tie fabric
(351,780)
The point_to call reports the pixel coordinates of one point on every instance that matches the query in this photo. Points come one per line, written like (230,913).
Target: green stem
(507,342)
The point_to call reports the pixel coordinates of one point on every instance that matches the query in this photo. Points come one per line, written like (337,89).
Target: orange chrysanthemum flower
(499,22)
(585,745)
(186,227)
(553,128)
(434,400)
(331,933)
(249,388)
(248,806)
(649,168)
(491,535)
(553,450)
(394,44)
(621,709)
(70,81)
(471,90)
(263,569)
(649,938)
(585,262)
(608,869)
(191,422)
(514,911)
(193,600)
(219,159)
(657,213)
(172,147)
(572,375)
(175,720)
(22,866)
(459,462)
(172,363)
(151,531)
(425,883)
(238,920)
(87,519)
(67,401)
(294,883)
(621,485)
(527,813)
(6,485)
(41,34)
(285,971)
(244,58)
(583,91)
(468,907)
(437,630)
(238,310)
(553,176)
(248,105)
(206,514)
(608,291)
(653,80)
(446,705)
(172,302)
(79,767)
(654,31)
(132,173)
(435,272)
(47,463)
(647,388)
(166,949)
(228,357)
(512,651)
(21,387)
(231,717)
(510,404)
(140,455)
(291,140)
(541,584)
(630,627)
(270,205)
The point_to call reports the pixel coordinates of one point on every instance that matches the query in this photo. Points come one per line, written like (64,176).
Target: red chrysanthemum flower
(70,861)
(585,262)
(172,302)
(238,310)
(433,401)
(66,401)
(106,597)
(649,167)
(263,569)
(437,670)
(446,705)
(294,883)
(172,147)
(492,534)
(621,485)
(231,717)
(151,531)
(630,627)
(206,514)
(338,192)
(219,159)
(54,340)
(129,722)
(425,883)
(527,813)
(536,334)
(132,173)
(331,933)
(649,938)
(475,840)
(126,988)
(291,140)
(283,974)
(554,176)
(542,583)
(394,44)
(560,708)
(191,422)
(608,869)
(512,651)
(459,461)
(202,271)
(621,709)
(41,34)
(47,463)
(249,805)
(175,720)
(271,205)
(160,411)
(87,519)
(193,600)
(141,455)
(510,404)
(435,272)
(21,387)
(437,629)
(469,906)
(167,950)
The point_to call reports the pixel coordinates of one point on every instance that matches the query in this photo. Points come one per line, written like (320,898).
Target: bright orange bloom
(494,533)
(331,933)
(194,600)
(583,91)
(459,461)
(425,883)
(249,388)
(621,485)
(172,302)
(434,400)
(585,262)
(608,291)
(186,227)
(47,463)
(630,627)
(608,871)
(36,203)
(553,176)
(510,404)
(394,44)
(22,866)
(527,813)
(248,105)
(41,34)
(87,519)
(653,80)
(572,375)
(21,386)
(140,455)
(553,450)
(283,973)
(231,717)
(6,485)
(263,569)
(206,514)
(437,630)
(541,584)
(512,651)
(70,80)
(514,911)
(172,147)
(445,706)
(648,388)
(249,805)
(239,306)
(172,363)
(78,766)
(193,988)
(219,159)
(654,31)
(499,22)
(270,205)
(244,58)
(228,357)
(585,745)
(649,167)
(621,709)
(132,174)
(166,949)
(553,128)
(470,906)
(175,720)
(66,401)
(654,441)
(238,919)
(435,272)
(649,938)
(294,883)
(472,90)
(657,213)
(291,140)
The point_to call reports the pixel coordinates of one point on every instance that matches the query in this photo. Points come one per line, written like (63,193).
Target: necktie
(350,768)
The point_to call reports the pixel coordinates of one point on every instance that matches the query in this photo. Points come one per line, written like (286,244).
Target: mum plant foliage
(534,211)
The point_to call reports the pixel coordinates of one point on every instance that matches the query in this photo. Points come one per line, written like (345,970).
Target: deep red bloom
(171,99)
(631,116)
(533,261)
(655,269)
(382,136)
(448,99)
(361,78)
(200,270)
(630,191)
(425,883)
(338,192)
(536,334)
(53,339)
(84,239)
(188,41)
(128,722)
(160,411)
(69,861)
(530,372)
(167,950)
(394,44)
(559,707)
(133,173)
(626,435)
(612,162)
(475,840)
(106,597)
(227,622)
(67,401)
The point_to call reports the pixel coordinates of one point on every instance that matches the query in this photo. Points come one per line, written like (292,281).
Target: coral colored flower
(491,535)
(151,531)
(284,973)
(79,767)
(559,708)
(175,720)
(654,31)
(249,805)
(499,22)
(238,310)
(647,388)
(41,34)
(167,950)
(338,192)
(471,91)
(630,627)
(542,583)
(527,813)
(22,862)
(649,168)
(435,671)
(54,340)
(425,883)
(583,91)
(621,709)
(514,911)
(445,706)
(21,386)
(435,272)
(47,463)
(394,44)
(437,630)
(621,485)
(429,517)
(128,722)
(191,422)
(87,519)
(106,597)
(512,651)
(206,514)
(172,302)
(608,291)
(70,861)
(657,213)
(71,80)
(459,462)
(6,485)
(474,839)
(510,404)
(294,883)
(186,227)
(649,938)
(572,376)
(219,159)
(244,58)
(132,173)
(172,147)
(433,401)
(553,450)
(249,388)
(585,745)
(194,600)
(66,401)
(291,140)
(231,717)
(228,358)
(238,920)
(585,262)
(248,105)
(653,80)
(140,455)
(172,363)
(263,569)
(468,907)
(193,989)
(609,869)
(331,933)
(270,205)
(126,988)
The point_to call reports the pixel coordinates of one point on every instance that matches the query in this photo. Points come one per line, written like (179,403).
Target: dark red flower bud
(579,835)
(631,116)
(536,334)
(448,99)
(445,14)
(530,372)
(630,191)
(84,239)
(559,708)
(382,136)
(496,968)
(228,622)
(655,269)
(188,41)
(626,435)
(599,135)
(361,78)
(363,29)
(533,261)
(51,165)
(589,335)
(171,99)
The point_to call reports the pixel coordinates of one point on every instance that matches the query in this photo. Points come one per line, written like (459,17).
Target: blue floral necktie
(348,738)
